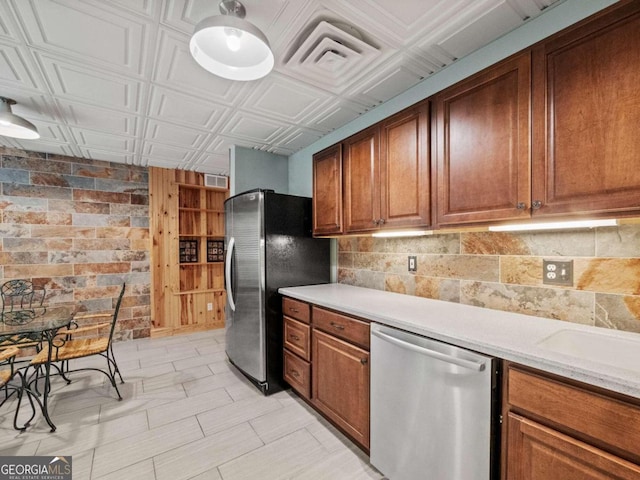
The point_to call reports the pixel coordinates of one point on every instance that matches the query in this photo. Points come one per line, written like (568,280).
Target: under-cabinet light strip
(518,227)
(409,233)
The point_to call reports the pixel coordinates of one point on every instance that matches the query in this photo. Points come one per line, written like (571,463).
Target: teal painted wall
(557,18)
(250,169)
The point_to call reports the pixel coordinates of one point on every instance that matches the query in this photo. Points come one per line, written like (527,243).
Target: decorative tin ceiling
(113,79)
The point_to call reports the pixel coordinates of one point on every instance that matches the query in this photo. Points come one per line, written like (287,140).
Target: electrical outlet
(209,307)
(413,263)
(557,272)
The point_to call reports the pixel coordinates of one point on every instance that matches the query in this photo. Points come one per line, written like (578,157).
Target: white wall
(557,18)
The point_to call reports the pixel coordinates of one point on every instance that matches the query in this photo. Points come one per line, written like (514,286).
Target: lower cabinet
(326,361)
(557,429)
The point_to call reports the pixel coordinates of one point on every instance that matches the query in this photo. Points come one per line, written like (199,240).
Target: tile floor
(186,414)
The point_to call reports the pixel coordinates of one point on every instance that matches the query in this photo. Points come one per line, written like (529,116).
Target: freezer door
(245,322)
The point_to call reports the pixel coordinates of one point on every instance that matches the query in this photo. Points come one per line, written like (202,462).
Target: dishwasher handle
(461,362)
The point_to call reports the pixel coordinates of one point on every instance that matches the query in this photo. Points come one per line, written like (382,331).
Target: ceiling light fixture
(519,227)
(231,47)
(11,125)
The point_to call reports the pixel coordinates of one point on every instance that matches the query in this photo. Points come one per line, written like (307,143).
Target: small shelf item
(215,250)
(188,251)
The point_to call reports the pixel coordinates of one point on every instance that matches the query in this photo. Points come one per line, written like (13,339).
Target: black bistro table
(39,325)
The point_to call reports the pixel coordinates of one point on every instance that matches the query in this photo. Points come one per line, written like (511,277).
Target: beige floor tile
(221,367)
(187,407)
(77,439)
(203,455)
(171,355)
(199,360)
(138,471)
(222,380)
(279,460)
(209,348)
(212,474)
(282,422)
(176,378)
(235,413)
(139,402)
(81,465)
(243,390)
(133,449)
(344,463)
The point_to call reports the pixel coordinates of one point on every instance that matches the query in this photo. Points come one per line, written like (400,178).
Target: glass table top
(35,320)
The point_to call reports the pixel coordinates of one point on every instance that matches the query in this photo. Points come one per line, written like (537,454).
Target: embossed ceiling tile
(42,145)
(294,139)
(91,33)
(335,113)
(184,14)
(280,97)
(77,82)
(52,131)
(143,7)
(220,144)
(8,26)
(186,110)
(166,152)
(493,23)
(107,155)
(396,77)
(174,135)
(31,105)
(100,119)
(175,68)
(14,69)
(246,126)
(530,8)
(100,140)
(217,164)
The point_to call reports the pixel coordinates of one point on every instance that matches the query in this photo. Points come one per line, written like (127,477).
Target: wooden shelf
(199,264)
(201,235)
(200,187)
(203,210)
(208,290)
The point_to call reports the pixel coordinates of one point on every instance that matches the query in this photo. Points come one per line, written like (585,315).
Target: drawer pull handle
(364,361)
(337,326)
(294,373)
(294,310)
(295,337)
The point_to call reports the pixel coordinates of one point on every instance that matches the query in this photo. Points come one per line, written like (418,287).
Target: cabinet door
(481,140)
(361,168)
(327,191)
(341,384)
(536,452)
(404,169)
(587,116)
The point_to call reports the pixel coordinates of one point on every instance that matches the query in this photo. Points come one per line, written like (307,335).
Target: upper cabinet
(481,142)
(586,111)
(386,173)
(327,191)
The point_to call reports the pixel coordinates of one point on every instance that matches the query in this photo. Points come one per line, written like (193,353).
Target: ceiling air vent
(333,53)
(216,181)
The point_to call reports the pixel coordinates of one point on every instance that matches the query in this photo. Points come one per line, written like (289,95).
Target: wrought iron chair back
(21,295)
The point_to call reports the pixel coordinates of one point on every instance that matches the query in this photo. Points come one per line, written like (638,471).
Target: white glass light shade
(11,125)
(246,56)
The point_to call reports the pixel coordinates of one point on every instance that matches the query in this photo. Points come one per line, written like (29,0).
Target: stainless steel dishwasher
(432,408)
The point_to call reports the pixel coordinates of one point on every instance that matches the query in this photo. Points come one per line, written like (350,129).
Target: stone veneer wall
(503,271)
(79,228)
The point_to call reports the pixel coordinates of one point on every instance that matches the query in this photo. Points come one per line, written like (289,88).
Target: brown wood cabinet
(586,116)
(386,173)
(187,226)
(326,361)
(327,191)
(481,136)
(557,429)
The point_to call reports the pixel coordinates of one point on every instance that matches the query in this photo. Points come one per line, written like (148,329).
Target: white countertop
(510,336)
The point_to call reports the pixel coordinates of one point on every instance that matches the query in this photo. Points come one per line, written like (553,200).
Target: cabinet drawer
(297,338)
(298,373)
(341,326)
(601,420)
(295,309)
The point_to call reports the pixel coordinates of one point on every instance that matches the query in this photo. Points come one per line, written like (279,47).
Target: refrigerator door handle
(477,366)
(227,273)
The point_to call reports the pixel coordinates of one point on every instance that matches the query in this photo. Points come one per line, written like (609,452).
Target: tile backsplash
(503,271)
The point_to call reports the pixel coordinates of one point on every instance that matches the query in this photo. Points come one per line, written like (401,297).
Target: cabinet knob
(536,204)
(364,361)
(381,221)
(521,206)
(375,222)
(294,373)
(337,326)
(294,310)
(295,337)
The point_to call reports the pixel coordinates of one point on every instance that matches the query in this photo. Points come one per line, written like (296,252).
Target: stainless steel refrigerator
(268,245)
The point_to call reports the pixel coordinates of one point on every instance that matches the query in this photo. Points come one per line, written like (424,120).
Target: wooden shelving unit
(188,285)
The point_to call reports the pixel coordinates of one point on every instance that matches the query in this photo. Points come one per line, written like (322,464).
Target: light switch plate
(555,272)
(412,263)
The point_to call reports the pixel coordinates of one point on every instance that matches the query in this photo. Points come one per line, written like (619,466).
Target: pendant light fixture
(11,125)
(231,47)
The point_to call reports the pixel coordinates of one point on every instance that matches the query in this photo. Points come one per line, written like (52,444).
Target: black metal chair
(21,295)
(66,347)
(8,372)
